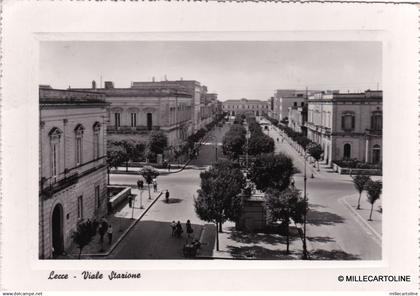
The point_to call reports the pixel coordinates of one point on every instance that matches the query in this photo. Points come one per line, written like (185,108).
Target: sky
(233,69)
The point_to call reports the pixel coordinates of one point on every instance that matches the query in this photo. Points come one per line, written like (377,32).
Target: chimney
(93,84)
(109,84)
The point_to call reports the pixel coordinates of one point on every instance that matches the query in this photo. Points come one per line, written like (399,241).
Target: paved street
(334,232)
(151,237)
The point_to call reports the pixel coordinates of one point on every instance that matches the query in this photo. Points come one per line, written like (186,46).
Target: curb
(343,199)
(124,234)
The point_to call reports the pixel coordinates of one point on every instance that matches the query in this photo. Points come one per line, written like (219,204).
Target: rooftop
(48,95)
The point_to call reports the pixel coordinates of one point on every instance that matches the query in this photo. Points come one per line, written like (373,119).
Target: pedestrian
(178,229)
(292,183)
(154,185)
(169,167)
(167,196)
(109,232)
(138,184)
(102,230)
(173,226)
(141,184)
(130,201)
(189,228)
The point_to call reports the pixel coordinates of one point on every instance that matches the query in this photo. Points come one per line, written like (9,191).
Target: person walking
(173,226)
(167,196)
(154,185)
(178,229)
(130,201)
(109,232)
(169,167)
(189,228)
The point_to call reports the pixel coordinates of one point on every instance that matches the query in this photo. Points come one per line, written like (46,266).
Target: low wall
(120,197)
(356,171)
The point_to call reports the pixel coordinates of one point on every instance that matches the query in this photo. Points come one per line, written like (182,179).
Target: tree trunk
(220,227)
(80,252)
(217,239)
(126,166)
(358,202)
(370,216)
(148,187)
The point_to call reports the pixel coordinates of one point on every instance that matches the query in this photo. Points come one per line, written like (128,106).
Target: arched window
(376,121)
(55,137)
(96,142)
(78,131)
(376,154)
(347,151)
(347,121)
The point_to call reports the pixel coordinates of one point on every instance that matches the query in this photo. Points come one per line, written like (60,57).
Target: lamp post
(305,251)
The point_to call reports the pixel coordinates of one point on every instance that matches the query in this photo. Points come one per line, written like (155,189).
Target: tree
(149,173)
(272,171)
(158,141)
(234,141)
(82,236)
(217,199)
(359,182)
(260,143)
(374,190)
(283,206)
(315,150)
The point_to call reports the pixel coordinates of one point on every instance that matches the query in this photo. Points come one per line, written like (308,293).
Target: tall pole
(305,252)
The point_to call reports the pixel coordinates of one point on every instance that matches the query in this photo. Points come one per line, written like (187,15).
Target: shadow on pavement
(332,255)
(172,200)
(321,239)
(154,240)
(323,218)
(257,252)
(260,237)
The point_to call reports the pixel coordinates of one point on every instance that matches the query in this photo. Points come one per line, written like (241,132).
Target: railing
(49,186)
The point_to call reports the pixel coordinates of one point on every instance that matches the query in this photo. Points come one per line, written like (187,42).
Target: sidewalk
(122,220)
(363,213)
(235,244)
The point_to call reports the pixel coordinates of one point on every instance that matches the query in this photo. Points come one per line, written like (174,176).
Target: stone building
(243,106)
(297,118)
(201,107)
(143,107)
(73,171)
(347,125)
(285,98)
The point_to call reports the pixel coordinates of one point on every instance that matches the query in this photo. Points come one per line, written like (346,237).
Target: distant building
(72,169)
(347,126)
(285,98)
(297,118)
(243,106)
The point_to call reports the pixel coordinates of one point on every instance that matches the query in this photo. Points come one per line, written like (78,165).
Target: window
(79,144)
(133,119)
(96,142)
(55,137)
(376,121)
(117,117)
(347,121)
(80,207)
(97,196)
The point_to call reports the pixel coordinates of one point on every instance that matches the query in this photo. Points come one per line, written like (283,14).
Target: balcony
(373,132)
(142,130)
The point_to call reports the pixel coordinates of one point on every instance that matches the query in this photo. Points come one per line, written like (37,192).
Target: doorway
(57,230)
(149,121)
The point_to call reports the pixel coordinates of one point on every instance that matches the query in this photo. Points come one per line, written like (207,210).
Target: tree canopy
(218,199)
(234,141)
(158,141)
(272,171)
(374,191)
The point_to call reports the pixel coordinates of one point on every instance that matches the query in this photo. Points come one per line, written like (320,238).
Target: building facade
(73,171)
(201,106)
(297,118)
(136,111)
(244,106)
(347,126)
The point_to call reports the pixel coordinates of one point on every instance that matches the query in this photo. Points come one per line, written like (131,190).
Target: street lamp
(305,198)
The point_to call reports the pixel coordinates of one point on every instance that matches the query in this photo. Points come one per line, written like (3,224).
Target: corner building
(347,125)
(73,171)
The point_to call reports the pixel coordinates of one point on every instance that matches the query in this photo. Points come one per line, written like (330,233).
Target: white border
(28,23)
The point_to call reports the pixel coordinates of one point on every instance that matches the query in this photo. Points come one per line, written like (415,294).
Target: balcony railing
(49,186)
